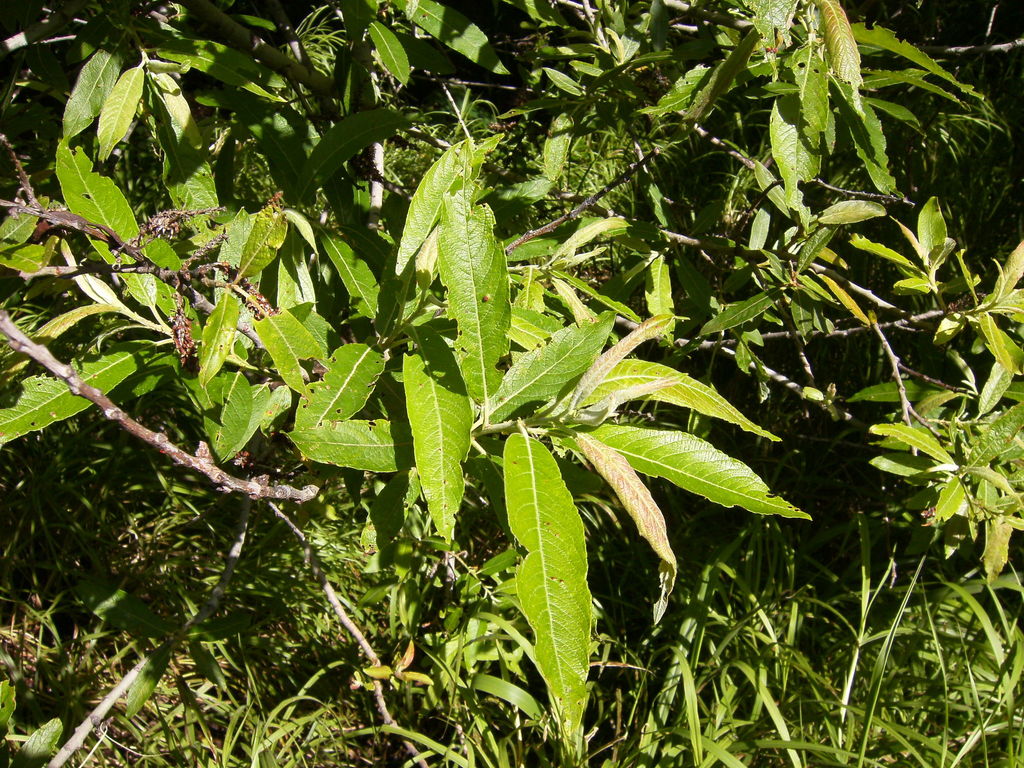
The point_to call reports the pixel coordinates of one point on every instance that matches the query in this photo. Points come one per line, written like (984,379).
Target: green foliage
(344,255)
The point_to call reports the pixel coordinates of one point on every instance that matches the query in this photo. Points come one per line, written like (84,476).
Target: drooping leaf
(288,341)
(218,336)
(374,446)
(121,609)
(40,746)
(95,80)
(119,110)
(473,269)
(868,139)
(684,391)
(694,465)
(997,547)
(543,373)
(454,30)
(392,54)
(343,140)
(45,400)
(237,422)
(880,37)
(921,439)
(441,418)
(355,273)
(221,62)
(1007,352)
(187,172)
(147,680)
(850,212)
(552,579)
(722,78)
(798,159)
(642,507)
(658,290)
(352,372)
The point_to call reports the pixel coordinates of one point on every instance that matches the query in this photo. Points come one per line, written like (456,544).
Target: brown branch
(863,195)
(99,712)
(199,462)
(36,32)
(310,556)
(963,50)
(244,39)
(618,181)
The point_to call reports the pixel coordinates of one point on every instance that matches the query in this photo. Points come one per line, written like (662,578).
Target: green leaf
(741,312)
(392,54)
(563,82)
(119,110)
(722,79)
(220,62)
(798,159)
(683,390)
(642,507)
(342,141)
(858,241)
(92,196)
(121,609)
(6,705)
(374,446)
(237,422)
(850,212)
(586,234)
(473,269)
(355,273)
(658,289)
(880,37)
(549,371)
(147,680)
(997,547)
(45,400)
(95,81)
(869,141)
(647,330)
(556,146)
(695,466)
(921,439)
(269,229)
(683,92)
(840,44)
(1000,436)
(454,30)
(351,375)
(772,18)
(427,200)
(40,746)
(1003,348)
(931,226)
(441,418)
(552,579)
(218,336)
(288,341)
(951,500)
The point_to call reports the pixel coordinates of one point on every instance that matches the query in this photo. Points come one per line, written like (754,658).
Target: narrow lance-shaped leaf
(269,229)
(288,341)
(647,330)
(916,438)
(722,78)
(556,146)
(642,507)
(441,418)
(694,465)
(119,110)
(150,675)
(454,30)
(425,206)
(473,269)
(95,80)
(392,54)
(347,383)
(683,391)
(218,336)
(840,44)
(354,273)
(543,373)
(45,400)
(552,579)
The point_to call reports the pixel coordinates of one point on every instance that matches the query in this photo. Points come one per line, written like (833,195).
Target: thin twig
(864,195)
(722,145)
(200,462)
(96,717)
(963,50)
(894,363)
(852,287)
(310,556)
(618,181)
